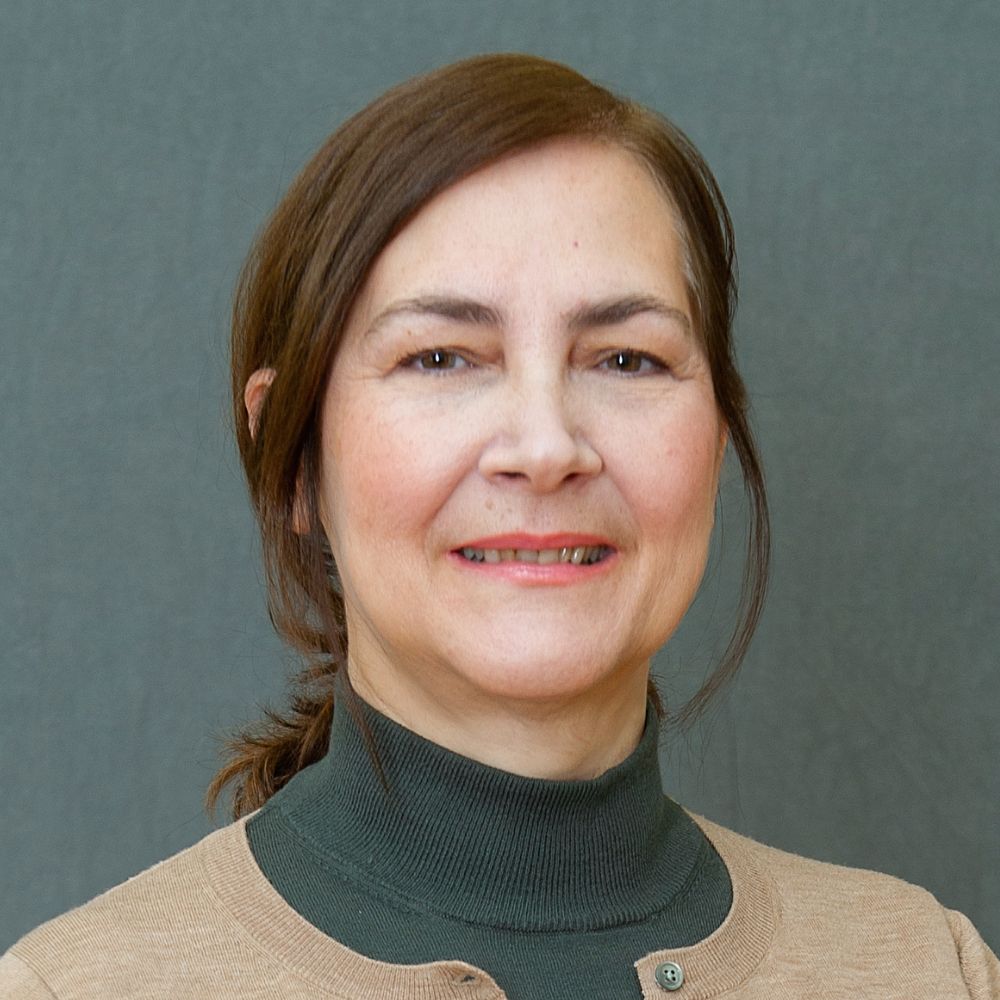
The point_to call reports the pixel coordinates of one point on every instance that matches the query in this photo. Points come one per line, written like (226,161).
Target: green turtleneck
(545,885)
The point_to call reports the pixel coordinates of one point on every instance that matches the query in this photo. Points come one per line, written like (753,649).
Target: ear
(723,441)
(254,395)
(253,398)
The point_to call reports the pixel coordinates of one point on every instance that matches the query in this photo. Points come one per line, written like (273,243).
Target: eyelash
(656,365)
(444,353)
(411,360)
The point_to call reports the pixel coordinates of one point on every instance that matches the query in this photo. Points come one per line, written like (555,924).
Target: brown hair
(303,275)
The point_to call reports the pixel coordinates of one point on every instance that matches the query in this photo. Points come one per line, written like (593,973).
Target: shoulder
(836,917)
(806,884)
(121,938)
(821,892)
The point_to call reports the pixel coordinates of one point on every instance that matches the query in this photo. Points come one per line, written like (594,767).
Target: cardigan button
(669,975)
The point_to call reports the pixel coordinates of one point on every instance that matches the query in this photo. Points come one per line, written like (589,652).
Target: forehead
(552,221)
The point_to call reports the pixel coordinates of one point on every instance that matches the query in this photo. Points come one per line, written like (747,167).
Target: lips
(561,559)
(522,540)
(542,550)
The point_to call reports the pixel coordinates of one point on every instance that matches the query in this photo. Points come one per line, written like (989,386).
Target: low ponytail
(264,757)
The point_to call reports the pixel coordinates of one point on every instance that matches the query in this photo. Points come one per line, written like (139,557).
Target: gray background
(142,144)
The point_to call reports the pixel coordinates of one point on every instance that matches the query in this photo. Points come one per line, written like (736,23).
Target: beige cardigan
(207,924)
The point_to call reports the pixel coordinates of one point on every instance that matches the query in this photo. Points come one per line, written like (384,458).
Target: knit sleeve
(980,966)
(18,981)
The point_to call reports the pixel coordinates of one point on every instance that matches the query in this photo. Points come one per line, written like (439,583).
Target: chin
(532,676)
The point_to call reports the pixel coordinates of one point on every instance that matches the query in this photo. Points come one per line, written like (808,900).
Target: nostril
(544,458)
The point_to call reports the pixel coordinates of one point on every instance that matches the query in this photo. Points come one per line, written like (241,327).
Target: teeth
(579,556)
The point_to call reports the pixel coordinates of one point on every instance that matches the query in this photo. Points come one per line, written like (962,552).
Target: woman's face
(521,445)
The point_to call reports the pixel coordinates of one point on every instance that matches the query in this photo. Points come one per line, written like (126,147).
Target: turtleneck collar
(467,841)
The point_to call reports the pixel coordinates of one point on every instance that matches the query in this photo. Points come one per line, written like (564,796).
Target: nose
(537,441)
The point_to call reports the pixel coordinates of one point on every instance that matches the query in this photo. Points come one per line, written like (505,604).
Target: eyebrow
(607,312)
(613,311)
(443,307)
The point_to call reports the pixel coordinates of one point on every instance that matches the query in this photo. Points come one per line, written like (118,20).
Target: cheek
(382,478)
(674,487)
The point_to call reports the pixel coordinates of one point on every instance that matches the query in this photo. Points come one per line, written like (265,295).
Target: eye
(627,362)
(438,359)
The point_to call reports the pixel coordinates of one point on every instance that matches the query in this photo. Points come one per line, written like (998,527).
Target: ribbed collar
(528,854)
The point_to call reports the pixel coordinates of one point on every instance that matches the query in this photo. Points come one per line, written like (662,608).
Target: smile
(580,555)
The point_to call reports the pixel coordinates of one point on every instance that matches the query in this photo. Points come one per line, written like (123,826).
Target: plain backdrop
(858,145)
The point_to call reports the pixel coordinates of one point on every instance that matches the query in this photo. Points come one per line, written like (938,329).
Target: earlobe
(300,516)
(254,395)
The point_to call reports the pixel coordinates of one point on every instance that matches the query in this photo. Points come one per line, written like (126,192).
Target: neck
(486,846)
(575,737)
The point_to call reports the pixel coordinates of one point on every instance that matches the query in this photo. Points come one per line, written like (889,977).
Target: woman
(484,384)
